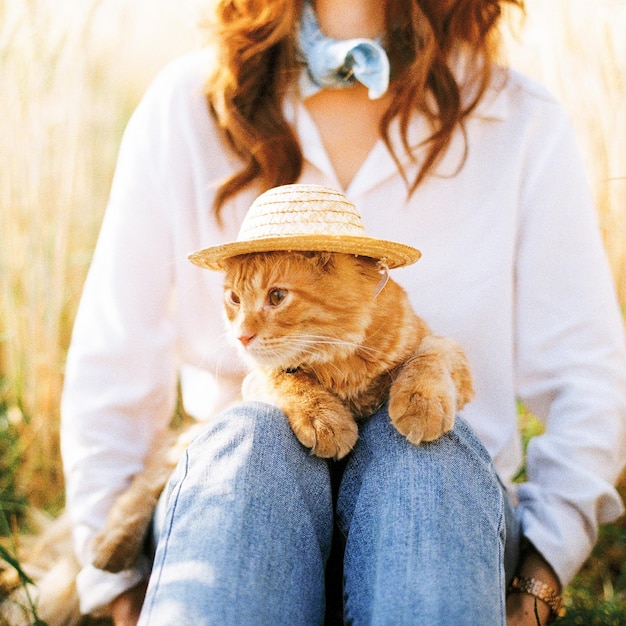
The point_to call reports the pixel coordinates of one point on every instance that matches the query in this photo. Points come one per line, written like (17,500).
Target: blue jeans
(249,524)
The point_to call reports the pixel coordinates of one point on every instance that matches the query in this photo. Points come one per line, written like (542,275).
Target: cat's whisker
(207,359)
(329,340)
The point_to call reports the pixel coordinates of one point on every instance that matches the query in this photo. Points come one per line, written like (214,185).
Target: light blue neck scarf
(338,63)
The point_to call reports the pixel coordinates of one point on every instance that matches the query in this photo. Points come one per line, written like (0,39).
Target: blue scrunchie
(338,63)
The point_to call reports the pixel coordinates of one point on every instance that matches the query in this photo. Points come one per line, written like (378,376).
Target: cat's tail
(47,561)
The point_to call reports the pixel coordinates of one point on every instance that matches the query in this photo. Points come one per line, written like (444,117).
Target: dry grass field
(73,70)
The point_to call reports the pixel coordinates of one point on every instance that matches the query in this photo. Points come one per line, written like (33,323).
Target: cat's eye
(276,296)
(232,297)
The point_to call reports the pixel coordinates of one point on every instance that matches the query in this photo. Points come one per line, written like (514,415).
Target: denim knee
(251,446)
(457,461)
(247,527)
(425,529)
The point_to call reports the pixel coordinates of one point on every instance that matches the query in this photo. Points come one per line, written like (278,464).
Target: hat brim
(393,254)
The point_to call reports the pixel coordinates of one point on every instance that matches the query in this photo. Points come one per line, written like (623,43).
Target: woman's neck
(347,19)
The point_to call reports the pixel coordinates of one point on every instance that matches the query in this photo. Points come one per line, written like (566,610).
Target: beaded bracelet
(538,589)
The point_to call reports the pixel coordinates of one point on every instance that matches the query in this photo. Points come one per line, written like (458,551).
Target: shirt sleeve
(120,383)
(571,362)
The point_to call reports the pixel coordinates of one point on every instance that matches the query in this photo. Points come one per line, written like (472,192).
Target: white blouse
(513,268)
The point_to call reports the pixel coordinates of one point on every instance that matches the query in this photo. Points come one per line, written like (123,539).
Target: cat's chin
(271,361)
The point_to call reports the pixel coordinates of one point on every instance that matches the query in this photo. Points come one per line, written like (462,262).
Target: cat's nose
(246,339)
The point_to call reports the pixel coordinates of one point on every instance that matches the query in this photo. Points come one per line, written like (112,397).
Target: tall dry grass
(578,49)
(72,71)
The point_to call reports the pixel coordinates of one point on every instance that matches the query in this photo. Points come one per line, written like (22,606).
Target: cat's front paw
(328,428)
(423,413)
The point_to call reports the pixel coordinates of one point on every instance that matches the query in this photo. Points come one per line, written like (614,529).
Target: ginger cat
(330,341)
(330,344)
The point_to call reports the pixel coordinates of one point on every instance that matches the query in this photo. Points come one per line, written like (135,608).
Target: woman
(475,166)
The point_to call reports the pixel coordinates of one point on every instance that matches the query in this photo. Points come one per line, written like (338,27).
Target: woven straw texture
(305,218)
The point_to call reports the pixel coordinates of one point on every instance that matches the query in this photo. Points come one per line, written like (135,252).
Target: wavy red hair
(257,64)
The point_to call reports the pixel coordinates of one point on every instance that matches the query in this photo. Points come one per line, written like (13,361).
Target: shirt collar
(379,165)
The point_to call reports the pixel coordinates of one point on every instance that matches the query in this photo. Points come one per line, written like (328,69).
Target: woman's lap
(249,525)
(247,529)
(424,530)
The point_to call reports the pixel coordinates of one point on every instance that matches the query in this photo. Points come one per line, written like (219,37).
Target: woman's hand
(523,609)
(520,610)
(125,609)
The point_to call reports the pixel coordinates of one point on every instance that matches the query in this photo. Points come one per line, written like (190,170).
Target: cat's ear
(325,260)
(321,260)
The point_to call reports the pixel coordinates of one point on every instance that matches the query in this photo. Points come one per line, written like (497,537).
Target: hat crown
(305,218)
(295,210)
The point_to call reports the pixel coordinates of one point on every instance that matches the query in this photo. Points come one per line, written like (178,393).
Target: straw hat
(305,218)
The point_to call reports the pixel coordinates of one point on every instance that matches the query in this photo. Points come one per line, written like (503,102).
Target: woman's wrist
(536,588)
(539,590)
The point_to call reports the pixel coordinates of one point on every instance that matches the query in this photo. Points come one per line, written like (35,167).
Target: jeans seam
(169,527)
(501,551)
